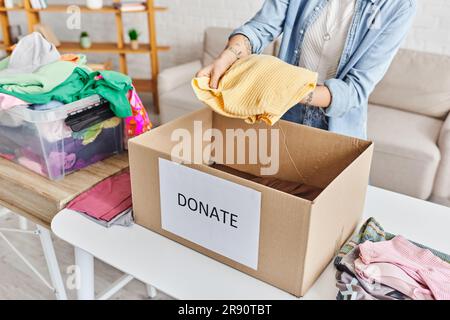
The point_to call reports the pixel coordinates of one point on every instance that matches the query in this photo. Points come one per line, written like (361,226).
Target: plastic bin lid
(57,114)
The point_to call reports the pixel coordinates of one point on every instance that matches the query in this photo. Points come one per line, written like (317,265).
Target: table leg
(85,262)
(52,263)
(151,291)
(23,223)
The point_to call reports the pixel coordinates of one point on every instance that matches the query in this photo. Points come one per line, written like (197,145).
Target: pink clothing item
(420,264)
(105,200)
(394,277)
(7,101)
(139,122)
(30,164)
(7,156)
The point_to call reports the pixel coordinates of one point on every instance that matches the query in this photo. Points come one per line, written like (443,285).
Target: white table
(185,274)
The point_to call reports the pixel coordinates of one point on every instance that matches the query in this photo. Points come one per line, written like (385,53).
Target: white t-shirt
(325,39)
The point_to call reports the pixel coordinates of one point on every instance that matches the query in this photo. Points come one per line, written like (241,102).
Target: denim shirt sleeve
(353,91)
(266,25)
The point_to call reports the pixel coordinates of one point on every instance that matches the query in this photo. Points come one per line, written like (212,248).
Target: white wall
(183,25)
(431,27)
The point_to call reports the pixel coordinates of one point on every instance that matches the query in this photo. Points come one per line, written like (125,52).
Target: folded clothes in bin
(108,203)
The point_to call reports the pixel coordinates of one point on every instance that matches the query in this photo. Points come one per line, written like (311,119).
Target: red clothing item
(106,200)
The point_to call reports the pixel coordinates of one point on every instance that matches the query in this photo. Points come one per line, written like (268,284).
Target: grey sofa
(408,117)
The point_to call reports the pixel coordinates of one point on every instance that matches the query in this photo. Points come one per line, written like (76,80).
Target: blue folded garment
(48,106)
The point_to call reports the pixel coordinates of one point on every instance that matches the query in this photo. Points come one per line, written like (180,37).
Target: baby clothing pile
(377,265)
(108,203)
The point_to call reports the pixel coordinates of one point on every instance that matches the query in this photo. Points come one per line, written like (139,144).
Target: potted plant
(85,41)
(134,37)
(94,4)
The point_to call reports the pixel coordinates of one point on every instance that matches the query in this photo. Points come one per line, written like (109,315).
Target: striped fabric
(420,264)
(325,40)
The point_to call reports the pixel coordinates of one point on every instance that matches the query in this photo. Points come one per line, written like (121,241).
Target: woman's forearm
(320,97)
(239,46)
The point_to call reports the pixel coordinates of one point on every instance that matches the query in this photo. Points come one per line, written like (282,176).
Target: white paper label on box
(214,213)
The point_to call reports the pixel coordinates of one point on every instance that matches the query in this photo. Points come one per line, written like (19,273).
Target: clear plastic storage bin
(56,142)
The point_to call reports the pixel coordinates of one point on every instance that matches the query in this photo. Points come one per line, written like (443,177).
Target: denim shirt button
(316,8)
(302,31)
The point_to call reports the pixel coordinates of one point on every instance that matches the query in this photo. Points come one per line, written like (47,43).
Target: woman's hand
(238,47)
(217,69)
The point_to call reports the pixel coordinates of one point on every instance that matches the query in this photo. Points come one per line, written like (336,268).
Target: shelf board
(85,9)
(3,9)
(107,47)
(143,85)
(5,47)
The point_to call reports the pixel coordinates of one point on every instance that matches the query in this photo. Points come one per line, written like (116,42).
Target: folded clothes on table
(352,287)
(427,273)
(375,264)
(124,219)
(108,201)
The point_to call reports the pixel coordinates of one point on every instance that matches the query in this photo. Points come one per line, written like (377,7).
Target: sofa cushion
(406,153)
(178,102)
(417,82)
(215,40)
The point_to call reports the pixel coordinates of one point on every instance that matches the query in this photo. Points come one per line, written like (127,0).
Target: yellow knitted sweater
(257,88)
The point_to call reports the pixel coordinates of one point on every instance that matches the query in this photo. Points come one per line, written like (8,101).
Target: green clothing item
(111,85)
(372,231)
(43,80)
(90,134)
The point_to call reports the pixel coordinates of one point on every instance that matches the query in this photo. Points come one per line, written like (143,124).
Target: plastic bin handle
(83,119)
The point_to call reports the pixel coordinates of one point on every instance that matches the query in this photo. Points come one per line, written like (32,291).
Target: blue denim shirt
(376,33)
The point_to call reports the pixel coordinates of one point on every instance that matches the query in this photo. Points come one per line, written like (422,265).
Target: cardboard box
(296,238)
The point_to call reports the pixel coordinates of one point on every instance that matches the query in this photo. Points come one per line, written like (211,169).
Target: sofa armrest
(172,78)
(444,138)
(441,192)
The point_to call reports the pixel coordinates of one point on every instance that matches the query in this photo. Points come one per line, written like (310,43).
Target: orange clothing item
(70,57)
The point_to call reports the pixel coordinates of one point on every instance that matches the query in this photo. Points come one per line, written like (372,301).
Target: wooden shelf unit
(120,47)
